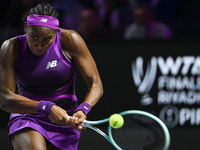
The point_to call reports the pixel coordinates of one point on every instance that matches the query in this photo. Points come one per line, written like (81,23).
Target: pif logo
(172,116)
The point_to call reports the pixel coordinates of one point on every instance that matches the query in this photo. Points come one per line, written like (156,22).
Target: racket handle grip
(82,124)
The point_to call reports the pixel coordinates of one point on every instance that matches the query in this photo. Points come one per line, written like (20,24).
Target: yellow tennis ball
(116,121)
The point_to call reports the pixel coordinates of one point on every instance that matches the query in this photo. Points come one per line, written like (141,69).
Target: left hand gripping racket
(141,131)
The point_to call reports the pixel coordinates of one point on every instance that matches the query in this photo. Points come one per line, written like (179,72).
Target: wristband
(44,107)
(85,107)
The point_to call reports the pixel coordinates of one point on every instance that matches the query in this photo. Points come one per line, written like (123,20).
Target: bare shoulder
(71,40)
(9,48)
(10,44)
(69,34)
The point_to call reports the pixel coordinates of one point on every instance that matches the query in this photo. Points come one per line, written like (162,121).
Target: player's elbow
(4,102)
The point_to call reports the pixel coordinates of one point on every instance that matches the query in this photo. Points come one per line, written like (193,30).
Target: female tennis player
(43,64)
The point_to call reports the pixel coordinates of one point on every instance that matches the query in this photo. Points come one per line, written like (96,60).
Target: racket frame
(109,137)
(165,129)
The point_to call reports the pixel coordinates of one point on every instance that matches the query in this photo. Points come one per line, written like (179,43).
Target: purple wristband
(85,107)
(44,107)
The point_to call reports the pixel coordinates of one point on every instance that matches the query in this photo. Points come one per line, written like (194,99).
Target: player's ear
(25,27)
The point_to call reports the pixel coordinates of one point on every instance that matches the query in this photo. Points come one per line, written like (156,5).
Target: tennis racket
(141,131)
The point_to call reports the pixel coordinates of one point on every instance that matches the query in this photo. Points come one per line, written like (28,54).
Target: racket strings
(139,132)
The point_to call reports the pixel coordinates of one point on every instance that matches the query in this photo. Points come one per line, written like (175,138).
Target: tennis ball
(116,121)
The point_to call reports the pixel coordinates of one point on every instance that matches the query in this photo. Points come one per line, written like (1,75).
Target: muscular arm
(9,101)
(74,45)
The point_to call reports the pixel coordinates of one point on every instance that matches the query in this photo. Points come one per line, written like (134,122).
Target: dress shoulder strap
(22,47)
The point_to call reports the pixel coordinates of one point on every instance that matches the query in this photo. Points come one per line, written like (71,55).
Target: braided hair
(44,9)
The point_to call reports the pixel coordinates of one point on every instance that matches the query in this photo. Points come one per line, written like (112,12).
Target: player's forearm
(94,94)
(14,103)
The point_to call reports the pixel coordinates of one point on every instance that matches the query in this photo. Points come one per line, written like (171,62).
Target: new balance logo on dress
(51,64)
(43,20)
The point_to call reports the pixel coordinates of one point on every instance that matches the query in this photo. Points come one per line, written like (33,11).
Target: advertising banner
(161,77)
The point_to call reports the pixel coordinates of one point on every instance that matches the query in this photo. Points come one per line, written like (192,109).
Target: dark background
(113,57)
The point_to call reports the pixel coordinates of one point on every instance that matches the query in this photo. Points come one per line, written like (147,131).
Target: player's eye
(47,39)
(33,37)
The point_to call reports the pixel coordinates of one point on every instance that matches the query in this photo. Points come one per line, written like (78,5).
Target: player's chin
(38,52)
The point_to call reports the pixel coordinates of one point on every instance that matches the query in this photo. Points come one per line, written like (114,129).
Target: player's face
(39,39)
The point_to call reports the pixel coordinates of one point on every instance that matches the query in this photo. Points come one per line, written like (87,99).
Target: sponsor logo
(178,87)
(51,64)
(44,107)
(144,82)
(85,107)
(44,20)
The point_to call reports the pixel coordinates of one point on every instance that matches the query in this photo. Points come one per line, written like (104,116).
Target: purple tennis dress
(49,77)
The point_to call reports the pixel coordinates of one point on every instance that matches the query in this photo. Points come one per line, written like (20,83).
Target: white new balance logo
(43,20)
(44,107)
(85,107)
(51,64)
